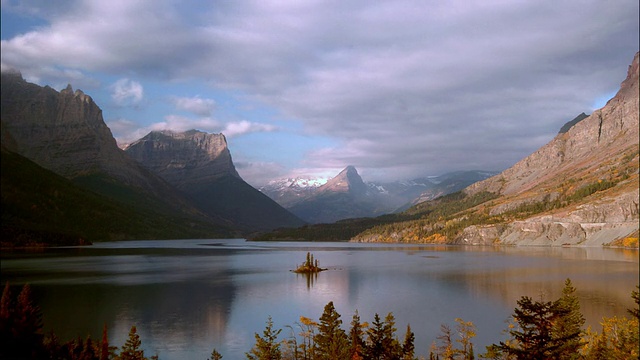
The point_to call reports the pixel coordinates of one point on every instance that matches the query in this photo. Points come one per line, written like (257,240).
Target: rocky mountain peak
(184,157)
(347,181)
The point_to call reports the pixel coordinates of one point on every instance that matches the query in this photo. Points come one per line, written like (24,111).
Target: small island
(310,266)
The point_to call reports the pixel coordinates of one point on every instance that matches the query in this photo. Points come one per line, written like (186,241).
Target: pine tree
(131,349)
(635,312)
(567,328)
(391,346)
(408,347)
(375,334)
(331,341)
(533,339)
(266,346)
(215,355)
(356,342)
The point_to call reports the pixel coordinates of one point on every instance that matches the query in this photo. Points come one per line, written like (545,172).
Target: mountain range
(60,138)
(347,196)
(581,188)
(65,181)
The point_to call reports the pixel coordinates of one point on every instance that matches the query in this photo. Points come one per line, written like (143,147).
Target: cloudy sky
(399,89)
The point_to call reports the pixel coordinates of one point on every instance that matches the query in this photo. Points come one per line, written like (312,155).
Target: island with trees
(310,266)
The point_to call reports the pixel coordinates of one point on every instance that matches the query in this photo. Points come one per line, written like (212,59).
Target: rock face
(348,196)
(600,147)
(342,197)
(184,159)
(64,132)
(200,165)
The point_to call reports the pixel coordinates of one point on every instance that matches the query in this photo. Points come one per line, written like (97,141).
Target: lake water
(188,296)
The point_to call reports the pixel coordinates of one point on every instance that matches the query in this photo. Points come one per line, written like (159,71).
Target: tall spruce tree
(533,338)
(331,342)
(567,327)
(408,346)
(267,346)
(356,341)
(131,350)
(375,334)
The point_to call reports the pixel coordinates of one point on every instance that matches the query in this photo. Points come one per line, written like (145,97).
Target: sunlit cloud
(126,92)
(195,105)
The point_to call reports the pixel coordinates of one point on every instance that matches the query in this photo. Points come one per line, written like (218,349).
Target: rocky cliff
(200,165)
(599,149)
(184,159)
(64,132)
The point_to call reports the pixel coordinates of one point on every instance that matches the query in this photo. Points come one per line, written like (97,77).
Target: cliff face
(184,159)
(601,147)
(64,132)
(200,165)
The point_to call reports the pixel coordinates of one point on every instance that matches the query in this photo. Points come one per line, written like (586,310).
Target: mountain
(289,191)
(348,196)
(200,166)
(343,196)
(40,207)
(581,188)
(64,132)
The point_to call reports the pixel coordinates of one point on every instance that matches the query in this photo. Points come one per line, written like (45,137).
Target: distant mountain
(570,124)
(348,196)
(342,197)
(64,133)
(289,191)
(581,188)
(200,165)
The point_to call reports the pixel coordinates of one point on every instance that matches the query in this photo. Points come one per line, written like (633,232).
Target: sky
(399,89)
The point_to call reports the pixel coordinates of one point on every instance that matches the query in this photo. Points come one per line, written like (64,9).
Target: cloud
(258,173)
(233,129)
(125,92)
(195,105)
(408,87)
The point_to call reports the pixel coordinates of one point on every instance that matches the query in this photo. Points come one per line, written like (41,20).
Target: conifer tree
(375,334)
(215,355)
(635,312)
(131,349)
(533,338)
(356,341)
(391,347)
(266,346)
(331,341)
(567,327)
(408,347)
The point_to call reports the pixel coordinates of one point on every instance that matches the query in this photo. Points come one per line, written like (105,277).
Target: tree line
(538,329)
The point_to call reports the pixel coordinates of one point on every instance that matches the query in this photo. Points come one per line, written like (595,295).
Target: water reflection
(187,297)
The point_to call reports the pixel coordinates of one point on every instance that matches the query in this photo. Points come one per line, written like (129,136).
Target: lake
(188,296)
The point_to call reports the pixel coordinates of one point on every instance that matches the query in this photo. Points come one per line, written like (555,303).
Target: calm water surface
(188,296)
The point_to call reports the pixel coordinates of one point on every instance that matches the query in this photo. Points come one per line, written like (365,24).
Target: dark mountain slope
(41,207)
(200,166)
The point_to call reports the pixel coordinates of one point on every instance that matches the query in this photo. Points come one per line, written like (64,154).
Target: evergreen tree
(331,341)
(375,334)
(266,346)
(131,349)
(390,345)
(567,327)
(408,347)
(215,355)
(533,339)
(636,297)
(356,341)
